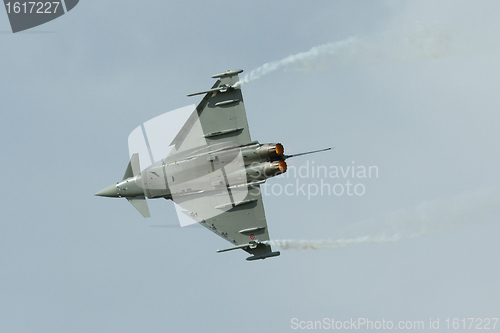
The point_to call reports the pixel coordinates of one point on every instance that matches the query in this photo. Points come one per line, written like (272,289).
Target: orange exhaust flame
(282,166)
(279,149)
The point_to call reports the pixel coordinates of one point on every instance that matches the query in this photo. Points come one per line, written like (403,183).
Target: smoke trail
(304,59)
(426,219)
(426,41)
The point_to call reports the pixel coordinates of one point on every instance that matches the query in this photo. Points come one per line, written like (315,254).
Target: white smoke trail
(304,58)
(425,41)
(426,219)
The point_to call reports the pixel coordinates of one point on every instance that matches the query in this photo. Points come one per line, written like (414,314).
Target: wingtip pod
(222,87)
(227,73)
(264,256)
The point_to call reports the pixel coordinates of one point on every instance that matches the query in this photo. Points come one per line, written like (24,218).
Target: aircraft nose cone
(110,191)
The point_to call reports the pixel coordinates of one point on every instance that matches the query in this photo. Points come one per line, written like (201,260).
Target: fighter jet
(213,171)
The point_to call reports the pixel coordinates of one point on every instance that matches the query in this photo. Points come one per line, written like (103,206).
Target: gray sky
(419,100)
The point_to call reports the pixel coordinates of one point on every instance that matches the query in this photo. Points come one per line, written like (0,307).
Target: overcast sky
(417,96)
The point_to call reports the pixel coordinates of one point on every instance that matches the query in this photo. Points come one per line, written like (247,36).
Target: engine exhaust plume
(426,219)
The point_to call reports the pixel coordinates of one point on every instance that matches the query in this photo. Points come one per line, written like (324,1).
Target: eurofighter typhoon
(213,171)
